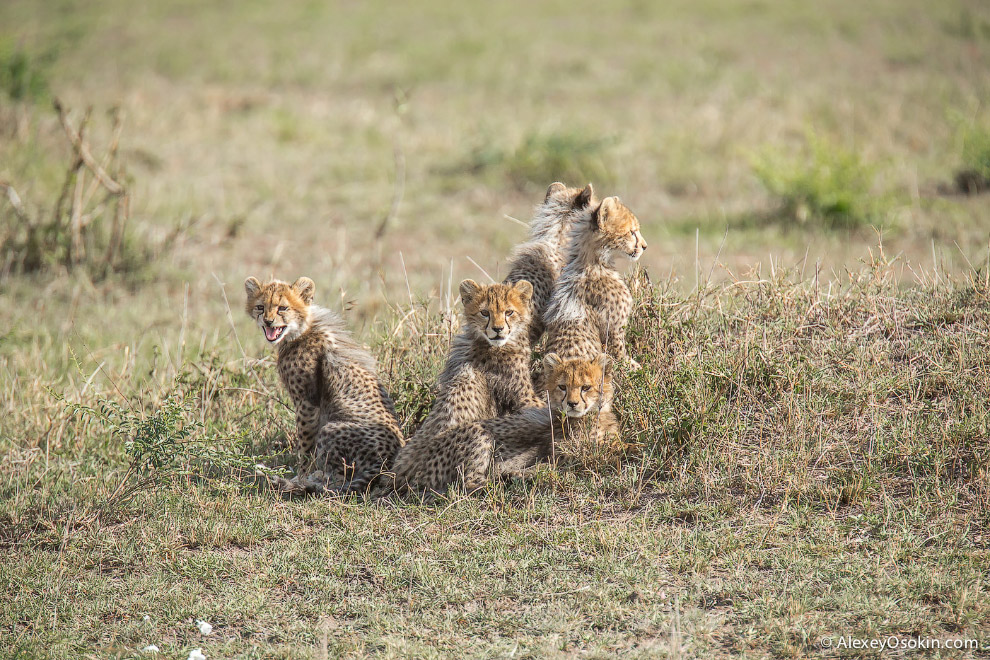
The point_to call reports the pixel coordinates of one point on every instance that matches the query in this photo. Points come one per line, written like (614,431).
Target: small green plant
(976,149)
(826,185)
(168,444)
(544,157)
(23,77)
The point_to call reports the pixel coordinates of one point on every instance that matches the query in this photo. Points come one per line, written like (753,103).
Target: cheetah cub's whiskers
(590,299)
(345,420)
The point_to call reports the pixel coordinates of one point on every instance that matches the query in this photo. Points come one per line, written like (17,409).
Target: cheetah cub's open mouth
(274,334)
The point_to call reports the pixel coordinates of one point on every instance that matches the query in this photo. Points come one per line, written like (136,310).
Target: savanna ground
(808,435)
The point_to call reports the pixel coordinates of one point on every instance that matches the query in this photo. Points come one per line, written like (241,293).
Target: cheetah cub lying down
(473,453)
(345,420)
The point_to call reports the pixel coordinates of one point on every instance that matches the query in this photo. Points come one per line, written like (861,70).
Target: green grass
(809,432)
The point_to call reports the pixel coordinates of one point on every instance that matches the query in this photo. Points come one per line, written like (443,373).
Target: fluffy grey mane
(345,348)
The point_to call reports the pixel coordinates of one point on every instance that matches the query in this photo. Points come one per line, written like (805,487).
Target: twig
(82,150)
(490,278)
(15,201)
(398,191)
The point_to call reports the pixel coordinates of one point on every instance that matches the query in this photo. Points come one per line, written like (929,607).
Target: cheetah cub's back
(540,259)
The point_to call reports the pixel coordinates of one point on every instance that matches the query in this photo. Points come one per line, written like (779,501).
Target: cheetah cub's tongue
(271,334)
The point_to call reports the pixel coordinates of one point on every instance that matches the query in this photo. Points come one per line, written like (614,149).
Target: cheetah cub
(345,420)
(590,298)
(486,376)
(582,391)
(474,453)
(487,371)
(540,259)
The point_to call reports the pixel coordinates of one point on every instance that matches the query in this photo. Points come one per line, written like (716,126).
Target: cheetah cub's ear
(469,289)
(551,361)
(524,289)
(584,197)
(305,288)
(555,188)
(252,286)
(606,213)
(605,363)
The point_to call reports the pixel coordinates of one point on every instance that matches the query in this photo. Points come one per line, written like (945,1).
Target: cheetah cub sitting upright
(541,257)
(487,374)
(591,299)
(345,420)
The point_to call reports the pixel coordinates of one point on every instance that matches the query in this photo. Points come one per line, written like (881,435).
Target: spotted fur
(540,259)
(486,376)
(590,298)
(345,420)
(473,453)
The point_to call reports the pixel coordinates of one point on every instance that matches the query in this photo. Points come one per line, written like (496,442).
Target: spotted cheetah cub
(345,420)
(541,257)
(474,453)
(582,391)
(591,298)
(487,370)
(486,376)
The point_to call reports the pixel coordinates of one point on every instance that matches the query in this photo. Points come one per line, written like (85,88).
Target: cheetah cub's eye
(585,388)
(259,308)
(282,309)
(509,312)
(562,388)
(484,313)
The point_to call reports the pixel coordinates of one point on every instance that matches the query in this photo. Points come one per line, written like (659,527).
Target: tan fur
(540,259)
(590,298)
(484,378)
(474,453)
(345,420)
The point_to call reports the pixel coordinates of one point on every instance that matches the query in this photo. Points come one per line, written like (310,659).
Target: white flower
(197,654)
(204,627)
(147,618)
(150,648)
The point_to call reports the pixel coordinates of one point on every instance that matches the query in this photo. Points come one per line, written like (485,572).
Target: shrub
(23,77)
(87,228)
(826,185)
(544,157)
(976,150)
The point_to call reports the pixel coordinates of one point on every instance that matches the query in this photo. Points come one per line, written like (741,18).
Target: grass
(543,156)
(788,432)
(809,432)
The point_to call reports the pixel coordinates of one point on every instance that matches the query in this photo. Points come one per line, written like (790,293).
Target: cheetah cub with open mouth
(345,420)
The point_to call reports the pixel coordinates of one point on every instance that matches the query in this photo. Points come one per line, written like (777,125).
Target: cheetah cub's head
(569,199)
(577,387)
(497,312)
(280,309)
(617,231)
